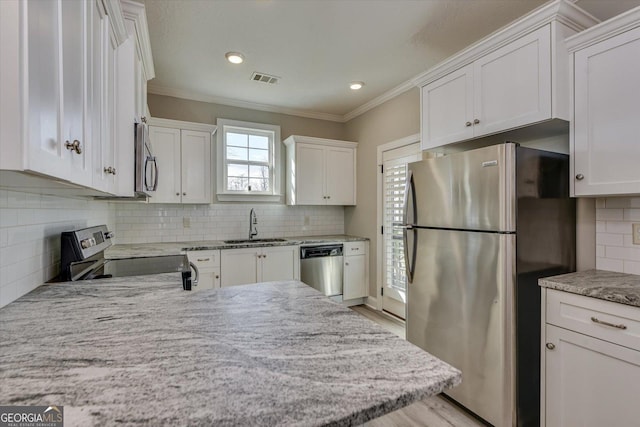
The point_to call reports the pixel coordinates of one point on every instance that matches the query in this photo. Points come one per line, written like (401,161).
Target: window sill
(249,198)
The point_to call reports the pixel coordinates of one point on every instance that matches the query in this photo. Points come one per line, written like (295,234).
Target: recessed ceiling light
(356,85)
(234,57)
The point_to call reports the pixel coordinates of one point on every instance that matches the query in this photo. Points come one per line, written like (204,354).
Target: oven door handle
(194,282)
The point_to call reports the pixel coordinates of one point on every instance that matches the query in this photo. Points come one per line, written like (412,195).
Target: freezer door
(473,190)
(460,308)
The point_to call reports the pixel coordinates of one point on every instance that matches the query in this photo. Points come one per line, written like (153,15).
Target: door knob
(476,121)
(579,177)
(468,124)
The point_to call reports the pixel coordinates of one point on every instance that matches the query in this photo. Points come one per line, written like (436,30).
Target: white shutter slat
(393,193)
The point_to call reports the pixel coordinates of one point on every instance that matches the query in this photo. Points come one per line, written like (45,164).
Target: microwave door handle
(409,253)
(155,178)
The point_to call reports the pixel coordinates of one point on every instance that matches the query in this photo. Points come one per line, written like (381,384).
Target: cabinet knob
(579,177)
(177,194)
(184,194)
(550,346)
(113,171)
(328,197)
(346,263)
(476,121)
(217,276)
(73,146)
(468,124)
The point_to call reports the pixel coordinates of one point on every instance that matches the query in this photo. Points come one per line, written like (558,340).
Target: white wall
(149,223)
(30,227)
(614,248)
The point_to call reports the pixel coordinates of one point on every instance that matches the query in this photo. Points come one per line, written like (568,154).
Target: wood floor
(435,411)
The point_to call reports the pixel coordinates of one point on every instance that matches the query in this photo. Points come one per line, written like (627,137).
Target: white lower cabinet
(254,265)
(356,270)
(591,362)
(208,269)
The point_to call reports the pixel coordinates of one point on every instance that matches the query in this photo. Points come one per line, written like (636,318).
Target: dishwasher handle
(307,252)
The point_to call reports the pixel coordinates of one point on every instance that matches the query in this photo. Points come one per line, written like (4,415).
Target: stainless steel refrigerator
(480,228)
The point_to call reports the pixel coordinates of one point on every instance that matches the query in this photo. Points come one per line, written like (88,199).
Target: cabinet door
(239,266)
(606,144)
(196,167)
(512,85)
(46,153)
(310,175)
(280,263)
(447,109)
(340,176)
(166,147)
(355,285)
(105,170)
(590,382)
(126,118)
(207,279)
(74,32)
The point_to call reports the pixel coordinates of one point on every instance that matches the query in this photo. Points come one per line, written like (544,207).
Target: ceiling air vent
(264,78)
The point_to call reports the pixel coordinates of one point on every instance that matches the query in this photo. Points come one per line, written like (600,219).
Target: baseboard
(371,302)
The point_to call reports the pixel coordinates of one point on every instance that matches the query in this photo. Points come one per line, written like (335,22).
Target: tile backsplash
(151,223)
(30,227)
(615,250)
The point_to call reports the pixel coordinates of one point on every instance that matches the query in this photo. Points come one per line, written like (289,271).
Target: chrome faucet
(253,221)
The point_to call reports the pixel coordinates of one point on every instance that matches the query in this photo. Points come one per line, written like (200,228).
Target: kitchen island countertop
(140,350)
(133,250)
(606,285)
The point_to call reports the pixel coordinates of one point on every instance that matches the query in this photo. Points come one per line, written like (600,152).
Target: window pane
(237,170)
(256,155)
(237,139)
(257,184)
(237,153)
(256,141)
(237,184)
(258,172)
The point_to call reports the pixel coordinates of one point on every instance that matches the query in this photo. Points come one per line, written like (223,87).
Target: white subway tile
(632,214)
(608,239)
(609,214)
(632,267)
(609,264)
(617,202)
(616,227)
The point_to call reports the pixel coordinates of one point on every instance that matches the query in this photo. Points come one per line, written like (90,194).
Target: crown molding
(605,30)
(185,94)
(297,139)
(561,11)
(179,124)
(381,99)
(135,12)
(113,9)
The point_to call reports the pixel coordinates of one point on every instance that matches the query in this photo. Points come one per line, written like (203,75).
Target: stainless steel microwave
(146,164)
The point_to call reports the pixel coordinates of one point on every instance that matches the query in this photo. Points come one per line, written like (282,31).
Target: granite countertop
(134,250)
(607,285)
(140,350)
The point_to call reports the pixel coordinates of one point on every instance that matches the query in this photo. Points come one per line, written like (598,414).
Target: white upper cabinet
(516,77)
(183,153)
(320,171)
(605,141)
(59,91)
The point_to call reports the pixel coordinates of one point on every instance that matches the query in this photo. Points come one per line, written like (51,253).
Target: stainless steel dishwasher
(321,268)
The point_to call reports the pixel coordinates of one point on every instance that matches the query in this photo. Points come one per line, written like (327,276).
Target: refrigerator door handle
(410,261)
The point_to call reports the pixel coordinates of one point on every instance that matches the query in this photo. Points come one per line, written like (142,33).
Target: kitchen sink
(244,241)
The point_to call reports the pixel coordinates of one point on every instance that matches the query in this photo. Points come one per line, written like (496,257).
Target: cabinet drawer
(205,259)
(613,322)
(355,248)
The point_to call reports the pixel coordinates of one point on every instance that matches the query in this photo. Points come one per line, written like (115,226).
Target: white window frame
(275,171)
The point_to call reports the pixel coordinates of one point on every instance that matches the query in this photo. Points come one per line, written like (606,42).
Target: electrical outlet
(186,222)
(636,233)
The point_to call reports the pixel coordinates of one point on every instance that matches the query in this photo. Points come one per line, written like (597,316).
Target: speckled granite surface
(607,285)
(142,351)
(174,248)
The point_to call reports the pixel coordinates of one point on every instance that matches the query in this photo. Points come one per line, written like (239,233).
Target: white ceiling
(317,46)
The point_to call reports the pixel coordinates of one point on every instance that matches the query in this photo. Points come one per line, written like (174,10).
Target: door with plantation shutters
(394,279)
